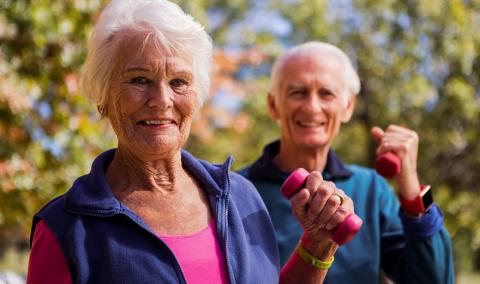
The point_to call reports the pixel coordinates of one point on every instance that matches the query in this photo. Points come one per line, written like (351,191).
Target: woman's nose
(160,97)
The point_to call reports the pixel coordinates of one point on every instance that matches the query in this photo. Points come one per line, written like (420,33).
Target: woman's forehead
(165,64)
(139,48)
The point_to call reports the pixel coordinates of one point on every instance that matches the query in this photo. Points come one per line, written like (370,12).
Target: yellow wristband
(313,261)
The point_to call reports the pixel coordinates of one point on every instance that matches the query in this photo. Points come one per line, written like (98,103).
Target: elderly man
(312,91)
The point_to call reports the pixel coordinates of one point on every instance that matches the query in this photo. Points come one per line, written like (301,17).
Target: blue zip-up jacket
(105,242)
(409,250)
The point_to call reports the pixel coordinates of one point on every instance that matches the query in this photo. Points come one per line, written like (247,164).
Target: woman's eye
(177,83)
(140,81)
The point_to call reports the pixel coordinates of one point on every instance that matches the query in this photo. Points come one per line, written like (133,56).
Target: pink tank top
(200,256)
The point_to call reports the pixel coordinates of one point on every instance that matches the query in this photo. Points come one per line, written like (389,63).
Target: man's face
(310,103)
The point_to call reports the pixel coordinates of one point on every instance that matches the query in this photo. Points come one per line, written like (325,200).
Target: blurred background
(419,62)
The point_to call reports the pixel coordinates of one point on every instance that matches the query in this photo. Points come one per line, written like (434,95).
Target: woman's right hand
(320,207)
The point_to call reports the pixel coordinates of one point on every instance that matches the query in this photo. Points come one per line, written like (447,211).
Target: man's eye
(140,80)
(298,93)
(177,83)
(327,94)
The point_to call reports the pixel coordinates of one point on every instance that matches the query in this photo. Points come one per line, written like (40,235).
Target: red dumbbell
(344,232)
(388,164)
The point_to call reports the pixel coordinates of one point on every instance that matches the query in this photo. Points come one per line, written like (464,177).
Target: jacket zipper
(126,213)
(226,203)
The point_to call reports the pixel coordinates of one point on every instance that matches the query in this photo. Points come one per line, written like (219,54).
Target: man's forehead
(303,69)
(319,56)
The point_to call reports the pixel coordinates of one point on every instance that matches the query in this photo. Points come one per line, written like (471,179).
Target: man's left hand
(403,142)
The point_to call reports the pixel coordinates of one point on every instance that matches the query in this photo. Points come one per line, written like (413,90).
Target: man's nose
(161,96)
(313,103)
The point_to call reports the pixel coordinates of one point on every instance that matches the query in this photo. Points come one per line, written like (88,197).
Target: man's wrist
(419,204)
(409,188)
(424,226)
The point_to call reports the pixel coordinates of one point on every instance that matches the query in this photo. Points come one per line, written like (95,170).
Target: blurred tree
(418,61)
(48,132)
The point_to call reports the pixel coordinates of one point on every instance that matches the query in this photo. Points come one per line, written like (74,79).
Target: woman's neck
(128,172)
(160,192)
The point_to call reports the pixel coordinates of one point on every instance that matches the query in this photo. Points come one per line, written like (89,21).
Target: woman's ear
(348,111)
(272,107)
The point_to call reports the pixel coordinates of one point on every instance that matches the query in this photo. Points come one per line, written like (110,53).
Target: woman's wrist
(312,260)
(320,249)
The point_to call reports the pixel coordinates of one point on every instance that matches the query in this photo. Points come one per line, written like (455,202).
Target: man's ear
(348,112)
(272,107)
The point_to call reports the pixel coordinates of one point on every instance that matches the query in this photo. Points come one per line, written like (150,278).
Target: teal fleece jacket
(408,250)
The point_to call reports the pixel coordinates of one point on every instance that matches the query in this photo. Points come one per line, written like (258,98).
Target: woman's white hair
(352,80)
(161,21)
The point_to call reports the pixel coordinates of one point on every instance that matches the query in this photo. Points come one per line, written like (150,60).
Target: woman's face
(152,100)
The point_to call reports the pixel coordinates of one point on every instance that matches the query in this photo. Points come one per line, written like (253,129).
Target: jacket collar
(265,168)
(92,194)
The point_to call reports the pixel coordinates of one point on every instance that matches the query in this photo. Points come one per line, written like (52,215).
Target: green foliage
(418,60)
(49,133)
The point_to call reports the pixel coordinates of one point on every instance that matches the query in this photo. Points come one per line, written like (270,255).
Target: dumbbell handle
(388,164)
(344,232)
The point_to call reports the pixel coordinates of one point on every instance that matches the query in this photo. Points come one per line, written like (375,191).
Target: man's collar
(335,167)
(264,167)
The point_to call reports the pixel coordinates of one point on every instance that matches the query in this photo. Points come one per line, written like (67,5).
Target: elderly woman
(148,211)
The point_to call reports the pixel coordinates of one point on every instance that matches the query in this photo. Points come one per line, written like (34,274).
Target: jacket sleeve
(47,263)
(414,250)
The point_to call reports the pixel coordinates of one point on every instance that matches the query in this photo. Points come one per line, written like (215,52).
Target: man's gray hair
(161,21)
(351,77)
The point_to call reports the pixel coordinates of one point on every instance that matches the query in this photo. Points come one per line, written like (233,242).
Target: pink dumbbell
(388,164)
(344,232)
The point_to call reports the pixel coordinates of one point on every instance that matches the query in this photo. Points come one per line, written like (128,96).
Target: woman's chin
(156,147)
(161,148)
